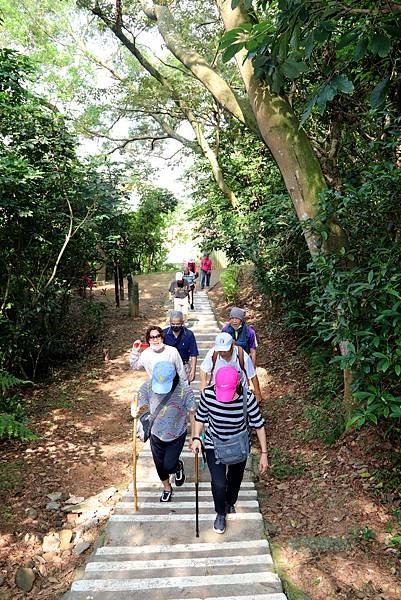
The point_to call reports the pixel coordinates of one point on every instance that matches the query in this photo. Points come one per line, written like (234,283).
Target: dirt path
(84,427)
(325,509)
(331,524)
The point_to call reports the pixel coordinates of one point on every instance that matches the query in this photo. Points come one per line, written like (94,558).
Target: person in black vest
(243,334)
(184,341)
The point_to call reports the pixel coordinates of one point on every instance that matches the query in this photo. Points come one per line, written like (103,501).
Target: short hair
(153,328)
(176,314)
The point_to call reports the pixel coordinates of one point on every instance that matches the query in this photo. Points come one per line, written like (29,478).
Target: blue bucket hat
(162,377)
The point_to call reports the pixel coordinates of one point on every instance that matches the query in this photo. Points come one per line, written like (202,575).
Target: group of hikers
(227,404)
(182,289)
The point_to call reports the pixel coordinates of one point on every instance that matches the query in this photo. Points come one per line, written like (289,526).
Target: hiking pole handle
(197,465)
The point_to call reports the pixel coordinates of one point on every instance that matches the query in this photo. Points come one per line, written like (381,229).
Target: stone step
(155,568)
(169,587)
(182,506)
(154,554)
(187,486)
(176,517)
(188,493)
(124,533)
(188,549)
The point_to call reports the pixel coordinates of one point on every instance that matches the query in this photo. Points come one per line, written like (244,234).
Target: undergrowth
(323,409)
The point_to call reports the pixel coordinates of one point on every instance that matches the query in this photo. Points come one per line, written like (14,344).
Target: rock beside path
(25,578)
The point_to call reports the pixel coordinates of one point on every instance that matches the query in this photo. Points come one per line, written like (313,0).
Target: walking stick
(197,491)
(134,408)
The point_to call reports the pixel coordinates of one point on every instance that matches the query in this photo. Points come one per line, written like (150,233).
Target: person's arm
(191,376)
(179,365)
(264,461)
(135,356)
(143,400)
(204,378)
(192,421)
(253,344)
(256,388)
(205,370)
(197,444)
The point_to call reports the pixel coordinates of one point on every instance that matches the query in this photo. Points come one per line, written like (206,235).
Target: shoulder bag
(237,448)
(146,420)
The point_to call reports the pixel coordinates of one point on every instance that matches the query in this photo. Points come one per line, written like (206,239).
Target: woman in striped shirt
(221,405)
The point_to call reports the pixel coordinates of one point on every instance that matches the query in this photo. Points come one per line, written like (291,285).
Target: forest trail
(153,554)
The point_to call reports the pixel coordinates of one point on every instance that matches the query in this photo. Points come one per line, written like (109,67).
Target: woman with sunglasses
(155,353)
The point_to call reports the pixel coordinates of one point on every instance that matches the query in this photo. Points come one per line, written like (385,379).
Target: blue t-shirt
(185,342)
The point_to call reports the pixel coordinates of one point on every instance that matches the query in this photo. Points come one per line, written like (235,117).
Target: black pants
(166,454)
(226,481)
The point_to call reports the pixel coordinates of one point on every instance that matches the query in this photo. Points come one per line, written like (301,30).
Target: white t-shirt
(148,358)
(207,364)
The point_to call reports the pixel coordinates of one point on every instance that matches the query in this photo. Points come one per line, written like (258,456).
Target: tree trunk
(121,282)
(223,93)
(133,296)
(116,285)
(180,103)
(288,144)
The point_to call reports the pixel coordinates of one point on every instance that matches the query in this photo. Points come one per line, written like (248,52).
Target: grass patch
(6,513)
(284,465)
(320,543)
(10,476)
(284,400)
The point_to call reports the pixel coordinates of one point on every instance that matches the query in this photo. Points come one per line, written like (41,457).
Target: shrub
(230,282)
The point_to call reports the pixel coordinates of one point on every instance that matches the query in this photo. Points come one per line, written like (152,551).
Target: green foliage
(323,409)
(12,418)
(59,220)
(325,42)
(284,465)
(265,230)
(355,296)
(364,534)
(230,282)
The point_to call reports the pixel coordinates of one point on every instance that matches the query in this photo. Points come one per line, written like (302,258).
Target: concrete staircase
(153,554)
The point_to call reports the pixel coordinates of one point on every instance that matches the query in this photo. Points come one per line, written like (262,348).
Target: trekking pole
(197,491)
(134,408)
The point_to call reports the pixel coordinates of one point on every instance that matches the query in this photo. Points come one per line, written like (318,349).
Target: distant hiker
(170,403)
(179,294)
(157,352)
(206,269)
(243,334)
(225,353)
(192,267)
(182,338)
(189,280)
(222,406)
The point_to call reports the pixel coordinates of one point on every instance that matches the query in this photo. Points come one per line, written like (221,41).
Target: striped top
(226,418)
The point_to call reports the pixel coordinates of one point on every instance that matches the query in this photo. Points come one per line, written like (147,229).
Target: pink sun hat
(226,382)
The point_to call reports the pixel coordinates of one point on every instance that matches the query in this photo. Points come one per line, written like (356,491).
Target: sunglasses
(155,337)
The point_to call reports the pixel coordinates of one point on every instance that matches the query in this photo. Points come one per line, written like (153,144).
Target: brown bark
(197,65)
(280,131)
